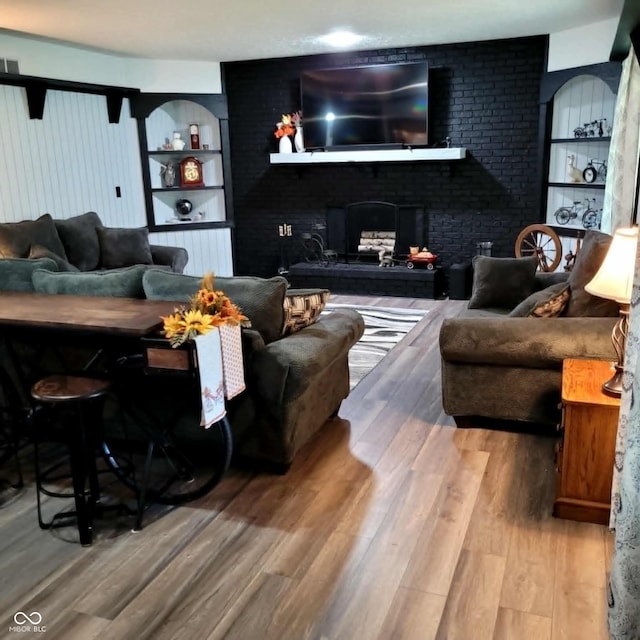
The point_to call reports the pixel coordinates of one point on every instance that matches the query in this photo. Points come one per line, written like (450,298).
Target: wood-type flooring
(391,524)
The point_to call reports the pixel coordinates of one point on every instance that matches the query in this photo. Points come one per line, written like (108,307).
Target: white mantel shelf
(382,155)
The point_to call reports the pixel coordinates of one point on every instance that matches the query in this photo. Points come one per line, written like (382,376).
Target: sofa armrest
(174,257)
(286,367)
(537,343)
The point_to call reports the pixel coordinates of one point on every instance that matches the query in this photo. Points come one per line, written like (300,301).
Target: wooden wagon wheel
(541,241)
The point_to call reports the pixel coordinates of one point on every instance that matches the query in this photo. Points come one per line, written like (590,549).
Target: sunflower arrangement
(208,308)
(285,127)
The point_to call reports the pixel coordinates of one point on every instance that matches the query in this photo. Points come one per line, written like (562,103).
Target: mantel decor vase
(298,140)
(285,146)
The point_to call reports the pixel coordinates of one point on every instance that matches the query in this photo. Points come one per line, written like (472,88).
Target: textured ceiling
(222,30)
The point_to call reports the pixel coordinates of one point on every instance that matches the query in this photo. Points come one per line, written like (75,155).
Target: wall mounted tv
(366,107)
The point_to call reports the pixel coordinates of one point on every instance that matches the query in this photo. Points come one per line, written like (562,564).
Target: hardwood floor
(391,524)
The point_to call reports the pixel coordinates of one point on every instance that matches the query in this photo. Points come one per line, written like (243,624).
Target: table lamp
(614,281)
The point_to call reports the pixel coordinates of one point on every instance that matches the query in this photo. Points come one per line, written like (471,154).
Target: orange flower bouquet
(285,127)
(208,309)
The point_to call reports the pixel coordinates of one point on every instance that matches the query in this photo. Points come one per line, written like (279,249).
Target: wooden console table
(585,453)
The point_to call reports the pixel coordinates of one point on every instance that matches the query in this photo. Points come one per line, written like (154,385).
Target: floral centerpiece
(208,308)
(285,127)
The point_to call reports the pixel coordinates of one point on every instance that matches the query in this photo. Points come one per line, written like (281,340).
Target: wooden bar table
(179,464)
(90,315)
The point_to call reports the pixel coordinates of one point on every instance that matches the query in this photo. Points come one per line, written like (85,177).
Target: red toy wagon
(421,258)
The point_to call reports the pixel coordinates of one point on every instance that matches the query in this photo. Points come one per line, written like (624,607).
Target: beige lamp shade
(614,279)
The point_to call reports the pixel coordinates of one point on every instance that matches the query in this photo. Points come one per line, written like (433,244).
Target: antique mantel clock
(191,172)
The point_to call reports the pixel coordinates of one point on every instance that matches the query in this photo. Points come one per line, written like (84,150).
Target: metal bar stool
(70,401)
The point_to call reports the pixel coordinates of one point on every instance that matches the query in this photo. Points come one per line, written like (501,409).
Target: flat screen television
(366,106)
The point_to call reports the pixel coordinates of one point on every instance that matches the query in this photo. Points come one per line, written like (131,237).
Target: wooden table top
(96,314)
(582,382)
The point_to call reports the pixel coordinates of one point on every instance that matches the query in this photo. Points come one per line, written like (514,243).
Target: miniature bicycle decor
(590,217)
(589,129)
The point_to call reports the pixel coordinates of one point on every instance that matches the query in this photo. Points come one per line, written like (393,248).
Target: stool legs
(84,475)
(77,403)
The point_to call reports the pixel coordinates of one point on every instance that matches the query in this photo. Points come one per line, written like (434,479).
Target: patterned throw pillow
(302,307)
(548,303)
(553,306)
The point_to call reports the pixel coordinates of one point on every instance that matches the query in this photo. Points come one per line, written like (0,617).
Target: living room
(394,523)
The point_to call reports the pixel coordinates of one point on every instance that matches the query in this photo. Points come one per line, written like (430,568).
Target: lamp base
(613,386)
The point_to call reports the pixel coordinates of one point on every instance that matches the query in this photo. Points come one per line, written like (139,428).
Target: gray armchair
(506,363)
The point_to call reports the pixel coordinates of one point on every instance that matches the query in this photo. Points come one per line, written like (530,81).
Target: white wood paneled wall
(72,160)
(581,100)
(209,249)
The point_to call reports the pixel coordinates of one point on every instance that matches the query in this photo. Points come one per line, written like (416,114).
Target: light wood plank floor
(391,524)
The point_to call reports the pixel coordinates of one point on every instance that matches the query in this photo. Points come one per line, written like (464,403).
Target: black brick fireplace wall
(484,96)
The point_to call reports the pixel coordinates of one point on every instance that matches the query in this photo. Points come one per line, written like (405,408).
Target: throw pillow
(302,307)
(548,303)
(16,273)
(16,238)
(38,251)
(123,247)
(117,283)
(260,299)
(592,252)
(80,240)
(502,283)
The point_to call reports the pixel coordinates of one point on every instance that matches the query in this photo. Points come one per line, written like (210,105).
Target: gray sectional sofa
(83,243)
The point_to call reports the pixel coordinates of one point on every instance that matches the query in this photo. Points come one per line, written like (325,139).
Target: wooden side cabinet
(587,446)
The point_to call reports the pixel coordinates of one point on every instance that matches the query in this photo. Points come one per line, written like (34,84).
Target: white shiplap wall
(72,160)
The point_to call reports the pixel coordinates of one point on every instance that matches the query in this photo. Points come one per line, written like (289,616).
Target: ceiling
(226,30)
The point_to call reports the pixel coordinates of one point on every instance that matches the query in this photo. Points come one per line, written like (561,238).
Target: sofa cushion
(302,307)
(16,273)
(123,247)
(80,240)
(548,303)
(16,238)
(118,283)
(502,282)
(38,251)
(591,255)
(260,299)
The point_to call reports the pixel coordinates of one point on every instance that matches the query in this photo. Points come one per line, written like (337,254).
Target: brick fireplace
(484,96)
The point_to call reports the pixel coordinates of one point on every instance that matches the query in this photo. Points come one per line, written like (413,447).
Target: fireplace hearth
(357,269)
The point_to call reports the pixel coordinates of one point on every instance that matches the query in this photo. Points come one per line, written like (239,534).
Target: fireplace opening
(358,231)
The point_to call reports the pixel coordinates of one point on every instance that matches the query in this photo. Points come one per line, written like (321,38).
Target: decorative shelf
(36,89)
(577,185)
(178,188)
(181,225)
(581,140)
(184,152)
(382,155)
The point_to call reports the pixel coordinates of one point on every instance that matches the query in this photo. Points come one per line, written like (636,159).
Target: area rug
(384,327)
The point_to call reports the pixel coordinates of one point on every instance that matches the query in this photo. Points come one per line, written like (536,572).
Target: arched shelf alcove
(577,109)
(159,116)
